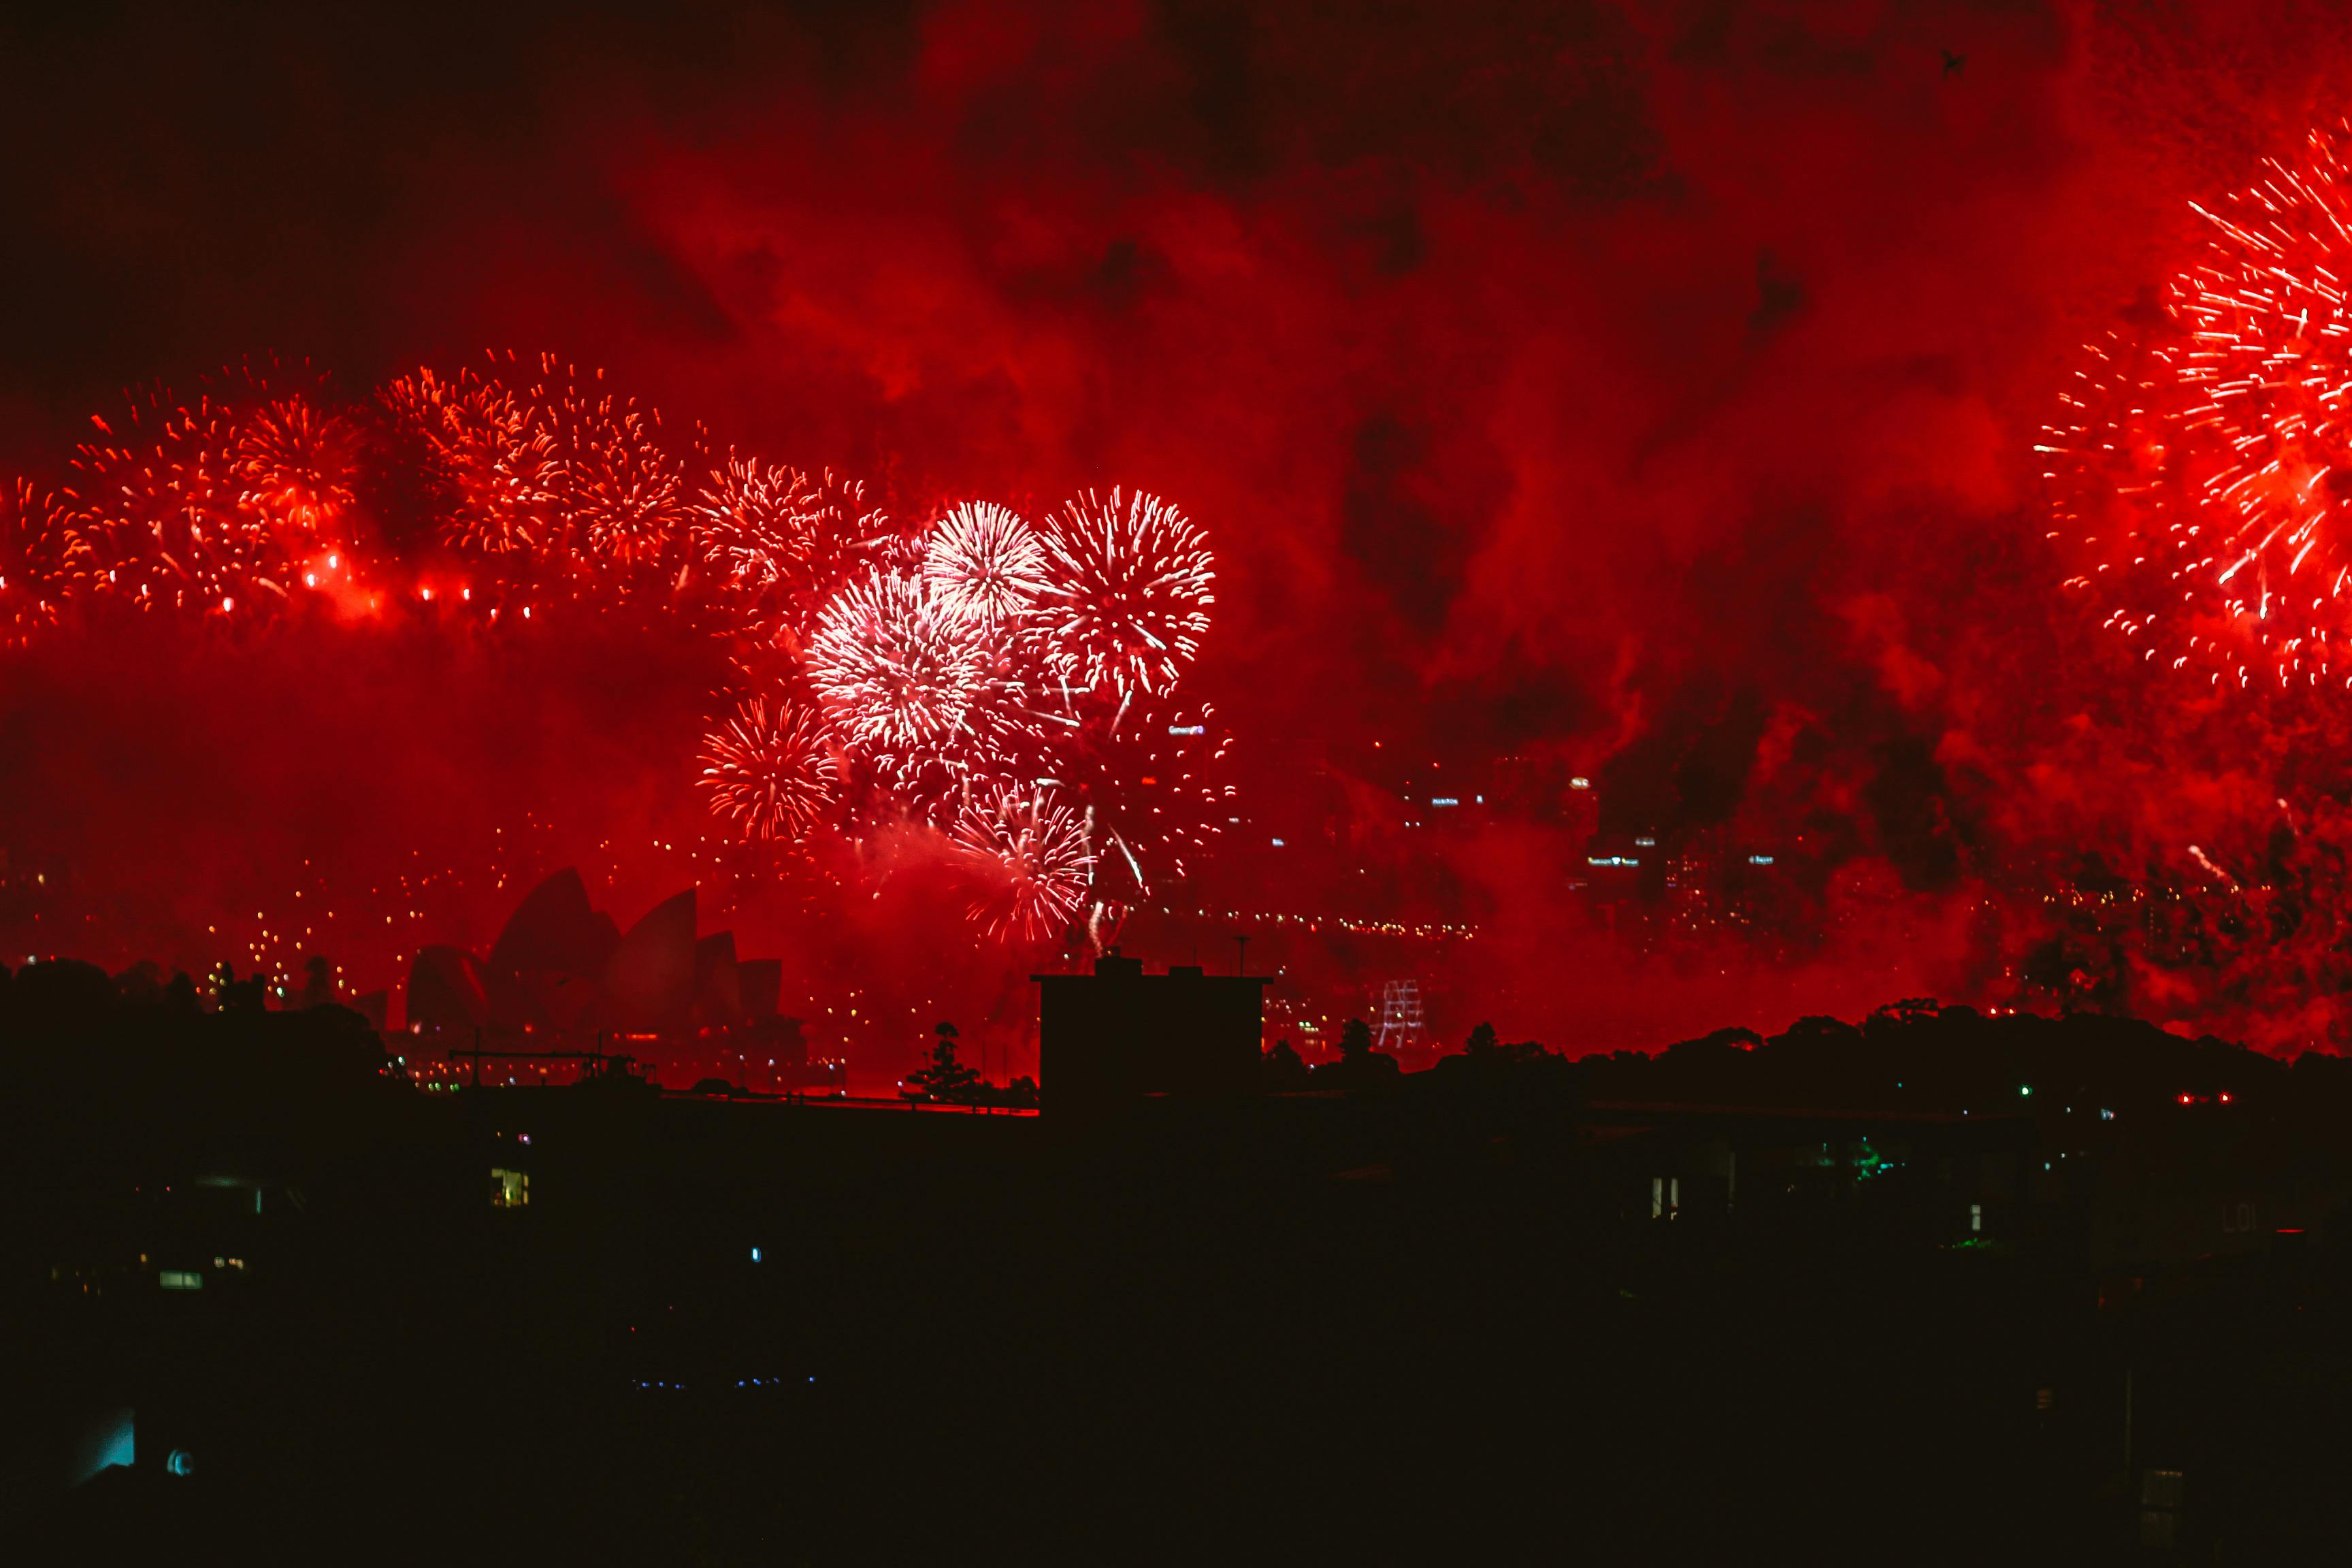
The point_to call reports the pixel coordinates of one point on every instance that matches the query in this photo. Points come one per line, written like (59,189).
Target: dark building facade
(1119,1033)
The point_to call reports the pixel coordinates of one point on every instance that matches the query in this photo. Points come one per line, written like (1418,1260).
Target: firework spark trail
(769,770)
(986,562)
(2199,855)
(1127,591)
(1031,861)
(2206,462)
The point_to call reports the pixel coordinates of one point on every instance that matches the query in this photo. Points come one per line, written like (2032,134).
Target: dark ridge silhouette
(1993,1245)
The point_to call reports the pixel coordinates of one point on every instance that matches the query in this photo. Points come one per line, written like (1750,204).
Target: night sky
(1653,388)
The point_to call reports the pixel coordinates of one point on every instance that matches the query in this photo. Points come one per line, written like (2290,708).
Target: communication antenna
(1401,1019)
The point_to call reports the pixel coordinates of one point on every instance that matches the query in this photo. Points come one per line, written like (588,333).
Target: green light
(2025,1088)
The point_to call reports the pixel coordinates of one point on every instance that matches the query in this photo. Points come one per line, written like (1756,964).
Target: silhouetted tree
(1282,1067)
(1360,1065)
(250,995)
(63,993)
(943,1078)
(140,986)
(1482,1041)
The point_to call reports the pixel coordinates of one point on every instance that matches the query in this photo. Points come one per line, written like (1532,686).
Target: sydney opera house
(564,982)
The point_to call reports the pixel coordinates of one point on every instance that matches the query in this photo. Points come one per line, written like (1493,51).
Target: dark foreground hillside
(1444,1316)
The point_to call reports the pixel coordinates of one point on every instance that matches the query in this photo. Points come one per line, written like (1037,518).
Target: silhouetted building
(650,979)
(542,970)
(563,974)
(1944,1174)
(1118,1033)
(446,991)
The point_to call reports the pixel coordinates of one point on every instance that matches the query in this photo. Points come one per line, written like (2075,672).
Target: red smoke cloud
(1654,385)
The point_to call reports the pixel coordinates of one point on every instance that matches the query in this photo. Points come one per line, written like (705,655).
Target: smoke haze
(1654,386)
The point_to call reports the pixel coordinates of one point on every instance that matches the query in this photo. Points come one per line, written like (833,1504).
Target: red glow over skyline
(1612,394)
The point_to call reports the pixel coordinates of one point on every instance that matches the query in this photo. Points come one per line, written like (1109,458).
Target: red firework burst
(45,561)
(769,770)
(902,672)
(771,530)
(1154,781)
(2205,461)
(1030,862)
(984,561)
(1128,590)
(567,471)
(488,466)
(213,504)
(295,462)
(617,495)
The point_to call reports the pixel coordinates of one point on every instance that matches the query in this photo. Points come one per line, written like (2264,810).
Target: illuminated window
(508,1189)
(1666,1197)
(180,1279)
(1976,1217)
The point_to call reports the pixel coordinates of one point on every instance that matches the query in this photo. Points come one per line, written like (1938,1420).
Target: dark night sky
(1654,384)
